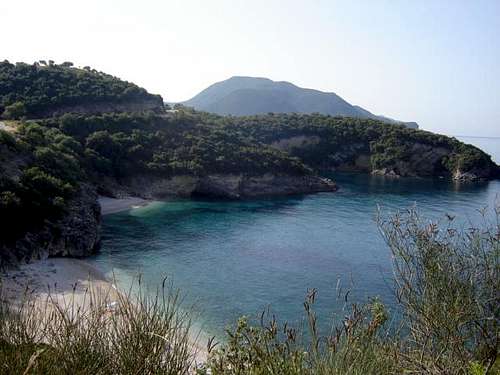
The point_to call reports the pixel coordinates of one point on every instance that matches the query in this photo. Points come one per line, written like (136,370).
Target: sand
(66,282)
(59,280)
(113,205)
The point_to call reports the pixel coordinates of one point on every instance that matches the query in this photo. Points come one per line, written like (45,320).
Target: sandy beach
(66,283)
(59,280)
(113,205)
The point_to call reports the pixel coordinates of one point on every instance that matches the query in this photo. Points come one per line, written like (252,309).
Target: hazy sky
(434,62)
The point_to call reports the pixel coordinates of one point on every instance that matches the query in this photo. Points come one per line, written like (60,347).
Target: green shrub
(142,335)
(15,111)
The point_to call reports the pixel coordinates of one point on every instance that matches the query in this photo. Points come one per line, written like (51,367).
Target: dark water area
(238,258)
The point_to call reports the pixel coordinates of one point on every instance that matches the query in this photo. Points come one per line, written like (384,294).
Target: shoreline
(115,205)
(67,283)
(56,279)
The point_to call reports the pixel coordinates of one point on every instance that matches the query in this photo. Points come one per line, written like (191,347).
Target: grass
(143,335)
(446,282)
(447,287)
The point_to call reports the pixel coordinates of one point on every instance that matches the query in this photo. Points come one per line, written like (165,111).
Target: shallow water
(237,258)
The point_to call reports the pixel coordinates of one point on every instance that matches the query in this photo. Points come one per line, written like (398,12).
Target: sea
(240,258)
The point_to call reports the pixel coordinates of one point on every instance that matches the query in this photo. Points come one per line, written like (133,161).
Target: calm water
(236,258)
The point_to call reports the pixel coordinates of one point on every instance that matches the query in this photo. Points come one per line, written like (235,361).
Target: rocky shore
(77,233)
(226,186)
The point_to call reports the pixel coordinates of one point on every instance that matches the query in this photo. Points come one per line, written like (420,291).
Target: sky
(434,62)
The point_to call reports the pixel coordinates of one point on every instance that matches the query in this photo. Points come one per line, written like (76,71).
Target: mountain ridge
(245,95)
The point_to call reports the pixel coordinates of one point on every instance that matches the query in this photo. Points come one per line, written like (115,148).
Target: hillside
(47,89)
(325,143)
(52,169)
(243,96)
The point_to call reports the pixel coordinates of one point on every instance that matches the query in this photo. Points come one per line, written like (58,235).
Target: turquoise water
(237,258)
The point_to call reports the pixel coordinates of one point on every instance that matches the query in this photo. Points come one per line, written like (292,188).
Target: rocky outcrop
(419,159)
(239,186)
(386,172)
(424,161)
(76,234)
(475,174)
(152,103)
(227,186)
(354,157)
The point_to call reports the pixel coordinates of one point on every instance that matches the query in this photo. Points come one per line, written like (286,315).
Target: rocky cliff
(226,186)
(408,159)
(75,234)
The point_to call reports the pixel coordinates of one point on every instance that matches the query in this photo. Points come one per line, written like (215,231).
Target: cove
(235,258)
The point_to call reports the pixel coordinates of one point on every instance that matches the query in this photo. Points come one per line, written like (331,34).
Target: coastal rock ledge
(76,234)
(236,187)
(226,186)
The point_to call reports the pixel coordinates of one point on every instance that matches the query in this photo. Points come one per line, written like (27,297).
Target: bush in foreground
(142,335)
(447,285)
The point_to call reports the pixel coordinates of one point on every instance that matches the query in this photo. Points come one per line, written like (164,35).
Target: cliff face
(425,161)
(419,160)
(226,186)
(149,104)
(76,234)
(238,186)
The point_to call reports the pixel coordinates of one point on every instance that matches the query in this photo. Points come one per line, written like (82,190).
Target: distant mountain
(241,96)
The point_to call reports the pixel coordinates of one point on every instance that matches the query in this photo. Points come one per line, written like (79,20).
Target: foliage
(142,335)
(46,175)
(341,140)
(447,283)
(15,111)
(122,145)
(36,90)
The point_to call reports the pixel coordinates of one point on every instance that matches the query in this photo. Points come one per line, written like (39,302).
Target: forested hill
(243,96)
(52,168)
(45,89)
(327,143)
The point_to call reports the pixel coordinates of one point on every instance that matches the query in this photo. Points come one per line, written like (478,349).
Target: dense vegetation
(54,155)
(127,144)
(342,139)
(39,172)
(446,283)
(37,89)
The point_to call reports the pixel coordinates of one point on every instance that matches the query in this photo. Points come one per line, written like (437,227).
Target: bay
(235,258)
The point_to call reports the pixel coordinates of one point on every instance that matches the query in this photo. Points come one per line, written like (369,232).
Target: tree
(15,111)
